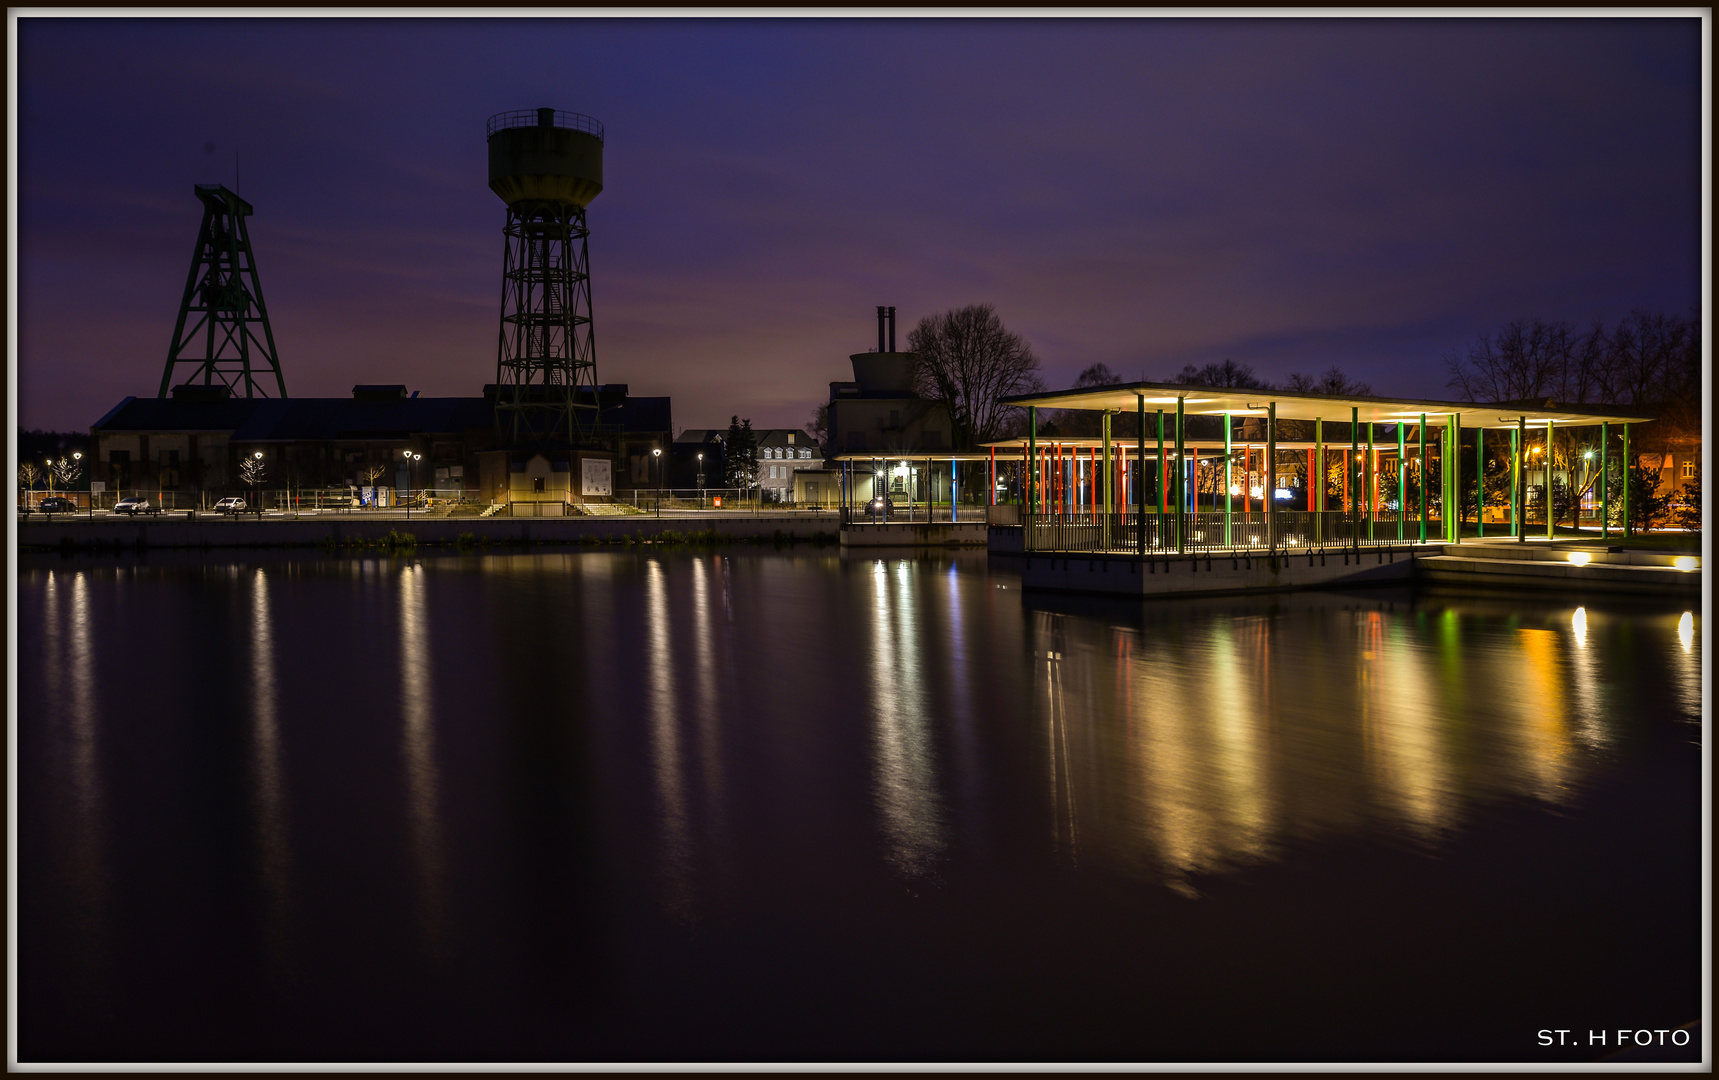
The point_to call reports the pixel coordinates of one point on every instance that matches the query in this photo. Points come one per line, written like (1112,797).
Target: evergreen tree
(741,448)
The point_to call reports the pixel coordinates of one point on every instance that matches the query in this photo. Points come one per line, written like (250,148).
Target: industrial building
(544,435)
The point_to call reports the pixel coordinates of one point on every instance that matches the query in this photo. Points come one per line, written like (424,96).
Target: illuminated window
(1689,470)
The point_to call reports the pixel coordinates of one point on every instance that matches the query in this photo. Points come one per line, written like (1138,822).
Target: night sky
(1288,193)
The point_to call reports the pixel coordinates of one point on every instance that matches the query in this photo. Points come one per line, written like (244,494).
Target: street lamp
(411,478)
(657,454)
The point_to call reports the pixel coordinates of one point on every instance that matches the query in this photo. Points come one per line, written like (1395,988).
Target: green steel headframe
(223,309)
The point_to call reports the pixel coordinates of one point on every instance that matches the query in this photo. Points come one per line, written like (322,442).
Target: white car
(135,505)
(232,504)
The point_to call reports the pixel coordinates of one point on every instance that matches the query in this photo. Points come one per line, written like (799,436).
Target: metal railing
(518,118)
(1203,531)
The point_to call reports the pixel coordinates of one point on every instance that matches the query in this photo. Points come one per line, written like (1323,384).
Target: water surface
(604,806)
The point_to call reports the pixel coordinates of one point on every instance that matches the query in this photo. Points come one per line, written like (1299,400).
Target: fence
(750,500)
(1216,531)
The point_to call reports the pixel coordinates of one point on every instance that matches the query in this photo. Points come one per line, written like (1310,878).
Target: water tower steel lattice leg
(546,368)
(222,310)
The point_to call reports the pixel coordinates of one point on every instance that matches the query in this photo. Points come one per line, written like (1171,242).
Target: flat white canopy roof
(1216,400)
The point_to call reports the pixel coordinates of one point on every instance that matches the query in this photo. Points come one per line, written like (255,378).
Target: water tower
(546,166)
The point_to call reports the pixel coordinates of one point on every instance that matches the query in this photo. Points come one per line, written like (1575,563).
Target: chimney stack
(892,329)
(881,316)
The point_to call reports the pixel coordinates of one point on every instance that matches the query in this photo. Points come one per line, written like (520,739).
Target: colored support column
(1402,478)
(1139,471)
(1480,482)
(1163,471)
(1271,476)
(1522,477)
(1104,532)
(992,501)
(1421,446)
(1628,525)
(1515,469)
(1605,480)
(1551,504)
(1317,490)
(1229,482)
(1181,440)
(1370,482)
(1351,491)
(1032,487)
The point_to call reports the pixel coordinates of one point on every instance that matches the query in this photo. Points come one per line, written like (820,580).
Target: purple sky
(1289,193)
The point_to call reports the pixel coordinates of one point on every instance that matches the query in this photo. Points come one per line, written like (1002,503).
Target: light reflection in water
(419,748)
(1579,624)
(1409,760)
(1542,712)
(665,746)
(71,669)
(1190,765)
(1686,631)
(904,784)
(268,787)
(706,629)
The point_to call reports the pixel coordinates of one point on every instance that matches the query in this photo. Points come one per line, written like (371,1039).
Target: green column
(1605,480)
(1032,477)
(1456,477)
(1480,481)
(1551,511)
(1515,466)
(1421,445)
(1402,478)
(1318,492)
(1104,531)
(1140,471)
(1179,492)
(1628,528)
(1229,529)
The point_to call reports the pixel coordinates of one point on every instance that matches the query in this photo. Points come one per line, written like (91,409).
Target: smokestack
(892,329)
(880,321)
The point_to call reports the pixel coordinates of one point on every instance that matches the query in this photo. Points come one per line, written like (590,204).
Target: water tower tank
(545,155)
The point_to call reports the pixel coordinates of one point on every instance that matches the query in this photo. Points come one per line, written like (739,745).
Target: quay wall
(910,534)
(203,531)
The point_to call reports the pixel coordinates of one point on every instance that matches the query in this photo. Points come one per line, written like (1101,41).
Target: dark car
(882,507)
(54,504)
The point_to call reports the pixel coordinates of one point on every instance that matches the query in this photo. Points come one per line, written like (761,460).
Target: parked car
(232,504)
(882,506)
(135,505)
(55,504)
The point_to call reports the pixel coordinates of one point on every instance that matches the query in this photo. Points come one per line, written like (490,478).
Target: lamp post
(411,479)
(258,458)
(657,454)
(701,479)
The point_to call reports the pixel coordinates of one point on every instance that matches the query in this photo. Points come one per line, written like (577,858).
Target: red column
(1345,454)
(993,499)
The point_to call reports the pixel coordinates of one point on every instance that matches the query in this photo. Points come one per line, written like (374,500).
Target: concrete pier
(1214,574)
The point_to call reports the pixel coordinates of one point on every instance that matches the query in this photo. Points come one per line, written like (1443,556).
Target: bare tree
(818,427)
(1227,374)
(969,361)
(67,471)
(1333,382)
(28,474)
